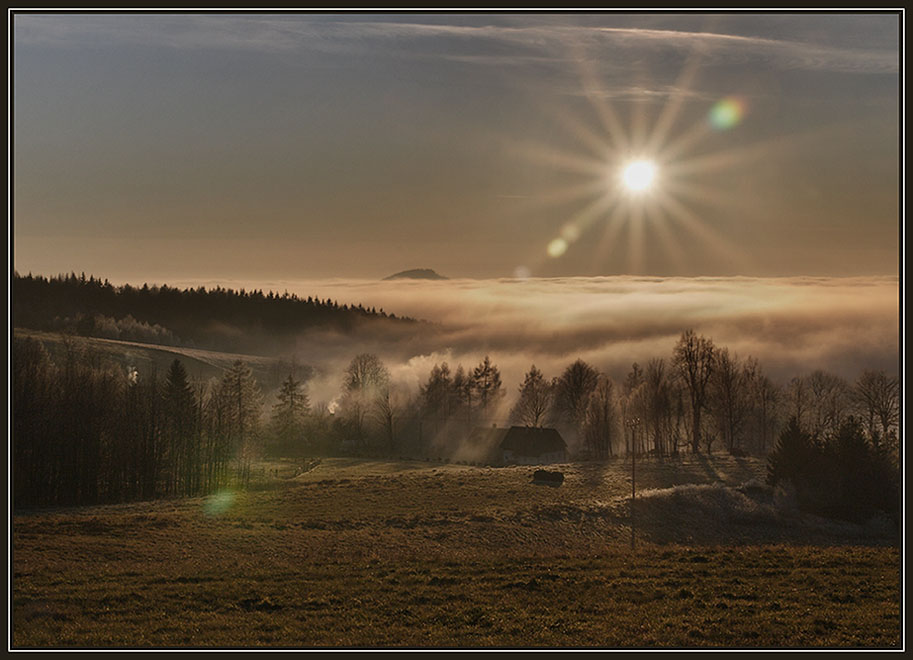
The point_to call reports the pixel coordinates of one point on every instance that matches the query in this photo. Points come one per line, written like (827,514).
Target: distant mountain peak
(416,274)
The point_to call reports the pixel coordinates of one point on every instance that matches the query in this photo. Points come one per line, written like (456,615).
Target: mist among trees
(87,431)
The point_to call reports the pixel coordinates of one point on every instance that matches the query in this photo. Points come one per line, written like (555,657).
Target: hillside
(217,319)
(201,364)
(416,274)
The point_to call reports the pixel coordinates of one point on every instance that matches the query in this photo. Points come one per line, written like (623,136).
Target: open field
(363,552)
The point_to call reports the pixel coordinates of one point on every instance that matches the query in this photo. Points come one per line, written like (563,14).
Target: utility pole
(634,422)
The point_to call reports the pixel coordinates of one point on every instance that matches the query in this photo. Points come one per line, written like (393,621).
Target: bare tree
(765,398)
(535,400)
(365,374)
(877,398)
(632,403)
(602,421)
(694,360)
(829,402)
(365,378)
(730,388)
(657,406)
(572,392)
(388,408)
(796,400)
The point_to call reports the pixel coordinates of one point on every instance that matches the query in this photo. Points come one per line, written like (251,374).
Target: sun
(639,175)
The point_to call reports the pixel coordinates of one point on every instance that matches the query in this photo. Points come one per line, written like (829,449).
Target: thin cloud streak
(528,43)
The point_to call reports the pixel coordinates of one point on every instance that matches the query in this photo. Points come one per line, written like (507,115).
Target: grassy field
(362,553)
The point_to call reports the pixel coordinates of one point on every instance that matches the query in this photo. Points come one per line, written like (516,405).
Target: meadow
(402,553)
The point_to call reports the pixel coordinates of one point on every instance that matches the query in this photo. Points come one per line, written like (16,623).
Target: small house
(519,445)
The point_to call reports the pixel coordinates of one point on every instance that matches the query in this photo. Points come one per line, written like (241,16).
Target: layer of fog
(792,325)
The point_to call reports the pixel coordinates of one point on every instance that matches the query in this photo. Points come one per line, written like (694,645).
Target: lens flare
(726,113)
(570,232)
(218,503)
(557,247)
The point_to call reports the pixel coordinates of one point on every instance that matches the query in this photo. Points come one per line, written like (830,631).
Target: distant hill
(200,364)
(216,319)
(416,274)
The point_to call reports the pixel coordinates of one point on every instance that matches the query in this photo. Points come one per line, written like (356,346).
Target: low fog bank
(792,325)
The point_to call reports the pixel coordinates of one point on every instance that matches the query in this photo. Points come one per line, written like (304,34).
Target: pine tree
(289,418)
(486,384)
(239,403)
(179,430)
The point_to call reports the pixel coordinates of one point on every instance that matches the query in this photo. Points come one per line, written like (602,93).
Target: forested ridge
(219,318)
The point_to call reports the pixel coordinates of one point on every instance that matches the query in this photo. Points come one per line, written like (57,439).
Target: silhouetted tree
(288,423)
(694,359)
(365,378)
(829,399)
(220,319)
(730,395)
(239,404)
(535,400)
(843,476)
(461,396)
(486,384)
(794,459)
(437,395)
(180,432)
(765,404)
(657,405)
(877,398)
(601,421)
(388,408)
(572,393)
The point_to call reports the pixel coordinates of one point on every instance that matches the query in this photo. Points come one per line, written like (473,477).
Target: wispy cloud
(477,44)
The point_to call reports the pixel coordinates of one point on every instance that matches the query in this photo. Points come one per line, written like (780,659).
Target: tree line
(703,397)
(86,431)
(219,318)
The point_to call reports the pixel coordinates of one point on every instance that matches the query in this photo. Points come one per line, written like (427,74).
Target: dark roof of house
(529,441)
(487,436)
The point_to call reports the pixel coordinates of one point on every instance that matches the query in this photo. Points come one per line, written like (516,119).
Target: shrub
(845,477)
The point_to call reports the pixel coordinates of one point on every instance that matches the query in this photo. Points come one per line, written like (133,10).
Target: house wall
(510,458)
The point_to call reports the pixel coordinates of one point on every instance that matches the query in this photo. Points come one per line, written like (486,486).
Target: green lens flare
(218,503)
(726,113)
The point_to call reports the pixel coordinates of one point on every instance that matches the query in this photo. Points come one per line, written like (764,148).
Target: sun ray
(604,248)
(698,192)
(558,158)
(635,239)
(783,144)
(604,109)
(596,143)
(574,228)
(639,123)
(656,220)
(688,139)
(564,194)
(690,221)
(582,220)
(673,105)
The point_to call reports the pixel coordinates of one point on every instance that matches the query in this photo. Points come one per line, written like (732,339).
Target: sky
(168,147)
